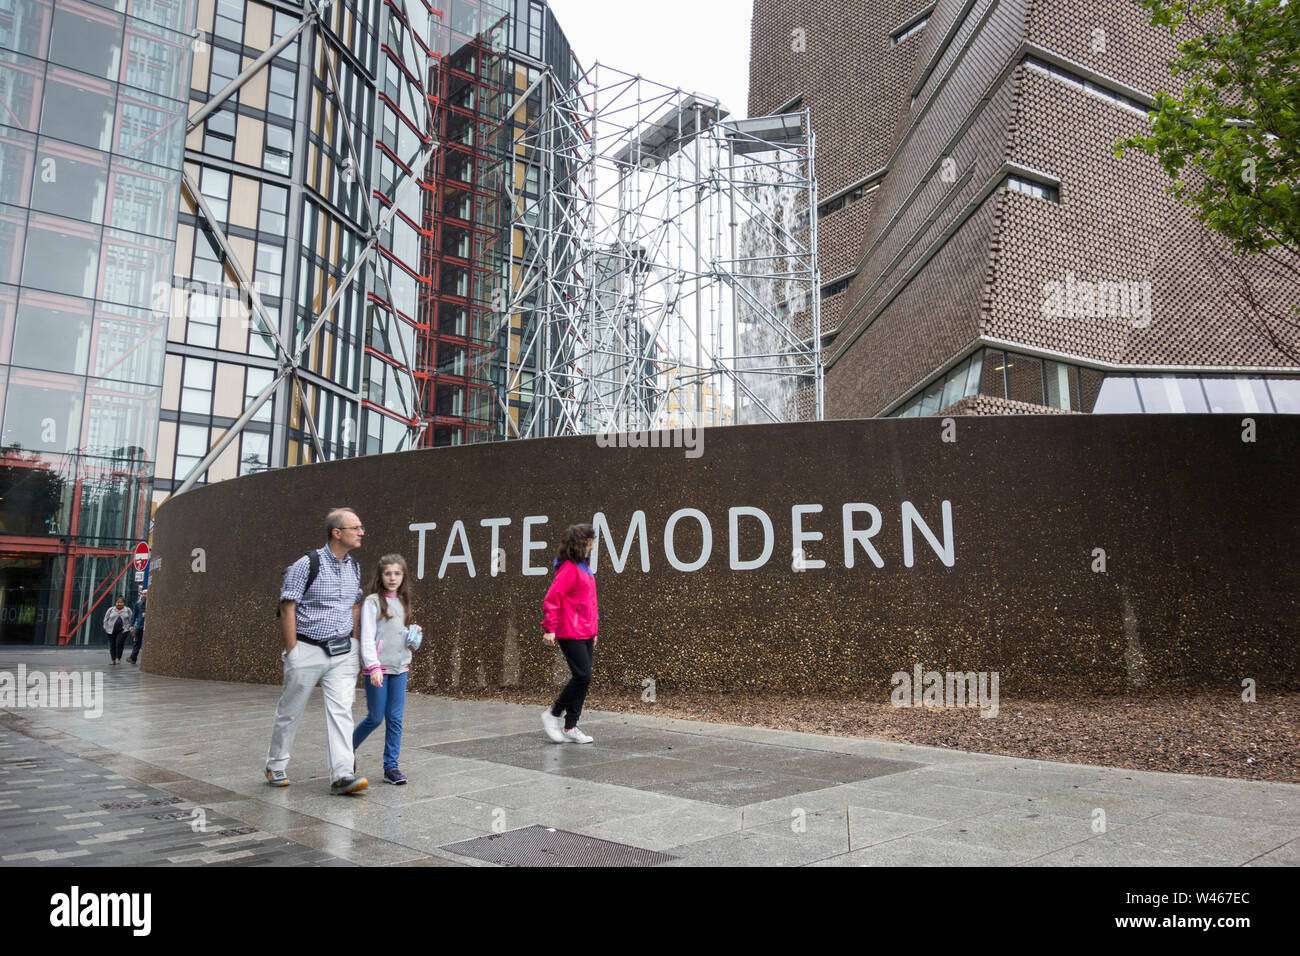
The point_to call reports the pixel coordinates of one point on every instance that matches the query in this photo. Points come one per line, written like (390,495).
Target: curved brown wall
(1198,527)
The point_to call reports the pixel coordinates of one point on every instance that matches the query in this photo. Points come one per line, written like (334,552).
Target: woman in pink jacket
(571,617)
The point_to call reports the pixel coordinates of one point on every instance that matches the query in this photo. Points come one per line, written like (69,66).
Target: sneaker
(394,776)
(551,724)
(349,784)
(277,778)
(576,736)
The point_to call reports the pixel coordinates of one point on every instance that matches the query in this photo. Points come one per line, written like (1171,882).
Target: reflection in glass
(128,344)
(1058,385)
(255,453)
(70,181)
(62,255)
(1025,379)
(173,14)
(17,159)
(121,419)
(78,109)
(42,411)
(156,59)
(1118,395)
(132,265)
(87,38)
(993,381)
(52,332)
(152,128)
(13,236)
(1160,394)
(35,492)
(25,26)
(142,197)
(1286,394)
(110,500)
(21,83)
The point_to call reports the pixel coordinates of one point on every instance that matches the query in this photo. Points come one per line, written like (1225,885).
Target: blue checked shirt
(326,611)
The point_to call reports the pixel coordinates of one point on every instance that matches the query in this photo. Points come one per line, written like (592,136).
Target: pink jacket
(570,603)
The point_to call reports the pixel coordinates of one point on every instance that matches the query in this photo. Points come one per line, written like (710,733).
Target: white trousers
(304,667)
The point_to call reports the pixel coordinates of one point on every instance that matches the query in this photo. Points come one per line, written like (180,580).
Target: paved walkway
(171,773)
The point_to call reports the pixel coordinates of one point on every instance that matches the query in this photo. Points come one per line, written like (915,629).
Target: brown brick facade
(942,256)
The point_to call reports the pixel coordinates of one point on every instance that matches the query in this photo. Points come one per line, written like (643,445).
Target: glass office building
(92,128)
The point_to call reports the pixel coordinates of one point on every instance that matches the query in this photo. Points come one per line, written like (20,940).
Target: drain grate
(546,846)
(137,804)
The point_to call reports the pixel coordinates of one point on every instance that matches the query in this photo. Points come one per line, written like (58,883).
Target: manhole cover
(546,846)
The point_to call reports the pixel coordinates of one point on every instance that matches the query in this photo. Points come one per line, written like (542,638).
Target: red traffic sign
(141,556)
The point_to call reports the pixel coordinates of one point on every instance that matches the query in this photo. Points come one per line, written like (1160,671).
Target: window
(279,150)
(1035,189)
(204,314)
(219,134)
(905,32)
(848,198)
(196,386)
(283,88)
(229,22)
(275,205)
(836,287)
(191,446)
(215,187)
(225,67)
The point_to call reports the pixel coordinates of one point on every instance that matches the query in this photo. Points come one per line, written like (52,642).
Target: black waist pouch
(334,646)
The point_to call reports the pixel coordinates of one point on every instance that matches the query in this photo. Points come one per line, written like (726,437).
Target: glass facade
(91,141)
(491,53)
(1069,387)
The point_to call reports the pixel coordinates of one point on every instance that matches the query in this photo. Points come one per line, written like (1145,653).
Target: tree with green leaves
(1230,141)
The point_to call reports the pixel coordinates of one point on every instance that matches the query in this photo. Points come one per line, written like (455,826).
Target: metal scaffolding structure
(379,210)
(667,274)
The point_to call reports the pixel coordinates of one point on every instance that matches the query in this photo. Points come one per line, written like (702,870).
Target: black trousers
(568,705)
(139,642)
(116,641)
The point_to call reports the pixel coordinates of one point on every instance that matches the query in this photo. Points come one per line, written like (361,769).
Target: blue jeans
(386,703)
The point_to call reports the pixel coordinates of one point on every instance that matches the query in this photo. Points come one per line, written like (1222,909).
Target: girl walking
(571,618)
(386,645)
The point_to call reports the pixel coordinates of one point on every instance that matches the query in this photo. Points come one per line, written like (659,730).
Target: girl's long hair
(403,590)
(573,545)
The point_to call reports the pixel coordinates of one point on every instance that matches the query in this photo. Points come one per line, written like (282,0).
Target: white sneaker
(576,736)
(553,726)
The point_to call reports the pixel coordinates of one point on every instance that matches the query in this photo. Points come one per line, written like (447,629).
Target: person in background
(116,624)
(570,622)
(137,626)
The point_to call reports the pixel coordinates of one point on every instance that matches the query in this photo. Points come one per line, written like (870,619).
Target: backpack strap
(313,569)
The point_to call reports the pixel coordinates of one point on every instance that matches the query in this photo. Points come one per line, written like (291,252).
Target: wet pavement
(170,773)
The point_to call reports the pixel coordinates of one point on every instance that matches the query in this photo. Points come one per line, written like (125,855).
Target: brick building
(982,249)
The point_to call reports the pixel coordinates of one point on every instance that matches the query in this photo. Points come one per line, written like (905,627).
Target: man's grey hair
(335,520)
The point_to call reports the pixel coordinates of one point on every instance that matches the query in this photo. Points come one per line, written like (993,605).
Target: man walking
(319,615)
(137,626)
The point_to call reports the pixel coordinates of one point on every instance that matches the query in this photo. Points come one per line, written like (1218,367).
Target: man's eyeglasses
(359,527)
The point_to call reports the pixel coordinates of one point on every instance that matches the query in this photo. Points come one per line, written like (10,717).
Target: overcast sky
(697,45)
